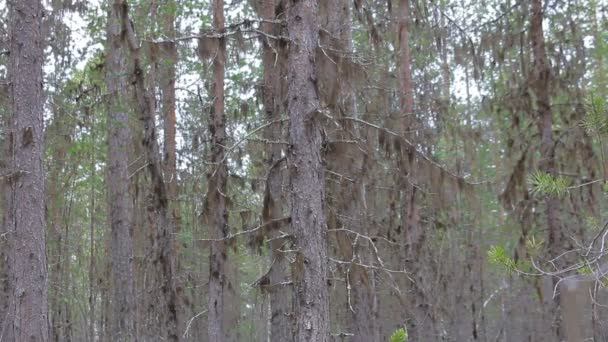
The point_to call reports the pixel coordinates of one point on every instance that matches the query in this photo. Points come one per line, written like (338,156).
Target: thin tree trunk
(55,206)
(92,251)
(280,293)
(122,320)
(221,289)
(309,270)
(541,80)
(168,76)
(24,211)
(421,323)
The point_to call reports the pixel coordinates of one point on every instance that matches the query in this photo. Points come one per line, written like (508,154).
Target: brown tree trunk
(221,288)
(56,204)
(168,75)
(540,85)
(163,286)
(420,323)
(309,270)
(122,320)
(346,159)
(280,292)
(24,190)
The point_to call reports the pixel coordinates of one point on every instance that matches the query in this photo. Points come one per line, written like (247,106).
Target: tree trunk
(24,211)
(280,293)
(346,159)
(122,320)
(163,286)
(167,85)
(420,323)
(221,288)
(168,76)
(309,270)
(540,85)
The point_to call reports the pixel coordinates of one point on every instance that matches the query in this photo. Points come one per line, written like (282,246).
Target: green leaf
(400,335)
(543,183)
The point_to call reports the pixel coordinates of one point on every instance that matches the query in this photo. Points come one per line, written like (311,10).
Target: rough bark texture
(309,270)
(280,294)
(164,322)
(122,320)
(24,191)
(168,75)
(541,78)
(220,291)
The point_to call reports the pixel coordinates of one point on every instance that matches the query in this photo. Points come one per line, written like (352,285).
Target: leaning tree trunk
(163,280)
(24,190)
(122,320)
(309,270)
(220,291)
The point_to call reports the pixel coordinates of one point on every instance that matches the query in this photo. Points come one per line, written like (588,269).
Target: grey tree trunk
(122,320)
(24,188)
(220,291)
(280,292)
(309,270)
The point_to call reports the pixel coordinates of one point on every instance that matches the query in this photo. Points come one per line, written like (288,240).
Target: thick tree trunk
(122,320)
(221,288)
(280,293)
(540,85)
(24,211)
(309,270)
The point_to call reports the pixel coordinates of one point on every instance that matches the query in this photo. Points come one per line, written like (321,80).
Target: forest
(303,170)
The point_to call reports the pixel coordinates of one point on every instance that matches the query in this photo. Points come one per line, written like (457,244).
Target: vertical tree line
(303,170)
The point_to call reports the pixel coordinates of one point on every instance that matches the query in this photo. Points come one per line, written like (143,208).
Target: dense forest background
(304,170)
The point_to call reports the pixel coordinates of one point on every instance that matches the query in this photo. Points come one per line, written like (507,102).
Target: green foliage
(543,183)
(400,335)
(534,246)
(596,121)
(498,256)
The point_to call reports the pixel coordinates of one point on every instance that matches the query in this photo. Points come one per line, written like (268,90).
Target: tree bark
(280,294)
(221,289)
(168,76)
(122,320)
(540,85)
(309,270)
(420,323)
(163,282)
(24,211)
